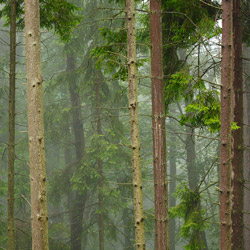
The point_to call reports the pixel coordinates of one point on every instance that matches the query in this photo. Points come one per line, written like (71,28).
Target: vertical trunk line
(237,135)
(225,137)
(134,128)
(172,185)
(79,200)
(11,139)
(100,172)
(158,124)
(39,213)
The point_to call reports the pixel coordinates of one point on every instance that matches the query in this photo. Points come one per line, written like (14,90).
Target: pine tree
(39,214)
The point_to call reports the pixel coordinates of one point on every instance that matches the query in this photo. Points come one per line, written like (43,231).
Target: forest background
(87,123)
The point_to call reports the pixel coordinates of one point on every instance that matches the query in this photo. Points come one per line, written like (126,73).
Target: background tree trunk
(11,140)
(226,114)
(39,214)
(172,184)
(134,128)
(79,200)
(158,124)
(99,164)
(246,105)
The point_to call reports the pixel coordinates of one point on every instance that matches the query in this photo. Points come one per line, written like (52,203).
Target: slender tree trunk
(172,185)
(11,140)
(99,163)
(158,124)
(226,111)
(39,214)
(134,128)
(193,176)
(237,135)
(79,200)
(246,104)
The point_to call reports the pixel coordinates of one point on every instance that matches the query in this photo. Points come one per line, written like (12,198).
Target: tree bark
(134,128)
(172,185)
(246,104)
(100,172)
(158,124)
(237,135)
(226,114)
(79,200)
(11,140)
(39,214)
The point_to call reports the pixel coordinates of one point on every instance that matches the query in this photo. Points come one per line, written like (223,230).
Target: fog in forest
(89,125)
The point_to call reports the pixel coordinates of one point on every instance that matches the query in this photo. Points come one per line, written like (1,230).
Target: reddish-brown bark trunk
(158,124)
(226,111)
(237,135)
(246,133)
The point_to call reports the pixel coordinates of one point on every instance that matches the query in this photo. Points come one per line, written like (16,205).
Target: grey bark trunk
(134,128)
(79,200)
(11,139)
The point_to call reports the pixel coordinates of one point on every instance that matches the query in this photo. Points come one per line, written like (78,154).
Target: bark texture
(172,185)
(226,111)
(100,172)
(39,214)
(237,135)
(11,140)
(246,132)
(158,124)
(79,200)
(134,128)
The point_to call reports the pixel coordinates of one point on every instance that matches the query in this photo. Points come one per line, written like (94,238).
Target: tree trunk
(237,135)
(99,163)
(246,104)
(79,200)
(134,128)
(39,214)
(11,140)
(158,124)
(226,111)
(193,176)
(172,185)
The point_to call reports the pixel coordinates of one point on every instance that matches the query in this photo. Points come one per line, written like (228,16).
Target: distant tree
(11,140)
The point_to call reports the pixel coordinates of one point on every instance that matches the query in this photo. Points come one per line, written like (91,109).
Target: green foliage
(204,111)
(177,87)
(189,209)
(54,14)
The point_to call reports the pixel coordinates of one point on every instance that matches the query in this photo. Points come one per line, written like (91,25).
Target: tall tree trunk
(172,185)
(246,104)
(39,214)
(11,140)
(79,200)
(226,111)
(134,128)
(158,124)
(99,163)
(237,135)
